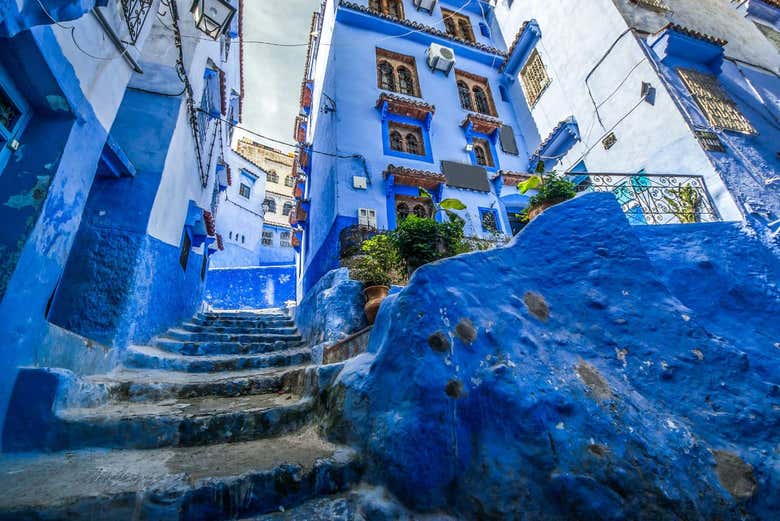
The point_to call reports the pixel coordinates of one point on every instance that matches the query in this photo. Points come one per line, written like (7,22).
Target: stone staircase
(210,421)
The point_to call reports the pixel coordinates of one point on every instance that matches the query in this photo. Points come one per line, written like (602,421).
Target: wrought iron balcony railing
(654,199)
(135,12)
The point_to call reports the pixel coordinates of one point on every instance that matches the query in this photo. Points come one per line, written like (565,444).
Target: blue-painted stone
(333,309)
(551,407)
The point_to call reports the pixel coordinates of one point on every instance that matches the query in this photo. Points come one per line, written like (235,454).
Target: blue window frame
(14,116)
(414,127)
(475,139)
(488,217)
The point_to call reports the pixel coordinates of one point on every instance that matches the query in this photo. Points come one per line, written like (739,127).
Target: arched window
(396,141)
(269,205)
(465,30)
(242,239)
(375,5)
(230,235)
(401,211)
(287,208)
(412,145)
(394,8)
(465,96)
(449,26)
(405,81)
(386,76)
(479,153)
(481,100)
(420,211)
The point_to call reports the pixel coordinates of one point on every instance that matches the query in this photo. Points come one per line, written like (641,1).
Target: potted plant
(551,190)
(377,268)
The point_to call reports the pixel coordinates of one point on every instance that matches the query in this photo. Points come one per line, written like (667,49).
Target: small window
(489,220)
(268,238)
(284,239)
(483,28)
(9,113)
(367,218)
(401,212)
(289,181)
(287,208)
(269,205)
(230,236)
(272,177)
(465,96)
(397,72)
(457,25)
(184,255)
(406,138)
(242,239)
(474,93)
(388,7)
(717,106)
(534,78)
(244,191)
(482,153)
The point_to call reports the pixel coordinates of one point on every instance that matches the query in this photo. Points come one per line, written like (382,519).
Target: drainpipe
(118,44)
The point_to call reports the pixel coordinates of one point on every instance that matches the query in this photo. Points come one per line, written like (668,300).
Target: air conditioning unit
(440,58)
(425,5)
(367,218)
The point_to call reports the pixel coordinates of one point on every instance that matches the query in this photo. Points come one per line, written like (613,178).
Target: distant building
(114,119)
(275,244)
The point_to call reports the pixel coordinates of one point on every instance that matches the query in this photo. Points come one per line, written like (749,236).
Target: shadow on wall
(250,287)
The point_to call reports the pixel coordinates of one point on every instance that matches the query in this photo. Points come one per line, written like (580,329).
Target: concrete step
(178,422)
(274,330)
(243,322)
(243,313)
(224,481)
(244,336)
(138,385)
(206,348)
(149,357)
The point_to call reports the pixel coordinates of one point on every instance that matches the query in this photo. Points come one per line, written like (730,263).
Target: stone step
(137,385)
(274,330)
(242,313)
(220,336)
(149,357)
(243,322)
(177,422)
(207,348)
(224,481)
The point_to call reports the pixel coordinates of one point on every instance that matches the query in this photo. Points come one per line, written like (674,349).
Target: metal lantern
(212,16)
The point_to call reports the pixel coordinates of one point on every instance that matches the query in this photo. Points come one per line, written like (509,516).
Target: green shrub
(549,188)
(420,241)
(379,263)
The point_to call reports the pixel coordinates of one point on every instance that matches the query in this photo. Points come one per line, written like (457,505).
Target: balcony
(655,199)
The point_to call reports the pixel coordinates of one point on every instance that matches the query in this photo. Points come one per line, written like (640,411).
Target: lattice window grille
(657,5)
(534,77)
(719,109)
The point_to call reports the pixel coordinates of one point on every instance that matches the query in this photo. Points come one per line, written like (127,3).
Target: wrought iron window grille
(135,12)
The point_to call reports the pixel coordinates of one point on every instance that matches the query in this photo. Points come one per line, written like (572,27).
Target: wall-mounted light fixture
(212,16)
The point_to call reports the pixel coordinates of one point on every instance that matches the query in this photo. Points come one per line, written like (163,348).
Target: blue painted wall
(252,287)
(43,190)
(346,72)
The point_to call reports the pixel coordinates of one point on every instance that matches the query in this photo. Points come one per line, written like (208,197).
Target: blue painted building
(665,92)
(114,116)
(401,98)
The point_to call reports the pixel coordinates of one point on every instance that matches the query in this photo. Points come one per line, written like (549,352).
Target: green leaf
(529,184)
(424,193)
(452,204)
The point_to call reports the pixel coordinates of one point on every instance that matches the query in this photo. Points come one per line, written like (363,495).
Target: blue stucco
(581,372)
(250,287)
(15,18)
(43,189)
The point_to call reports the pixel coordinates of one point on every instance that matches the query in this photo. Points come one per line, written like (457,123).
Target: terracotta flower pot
(374,297)
(534,211)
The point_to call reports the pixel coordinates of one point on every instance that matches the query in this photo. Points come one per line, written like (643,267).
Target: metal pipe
(120,46)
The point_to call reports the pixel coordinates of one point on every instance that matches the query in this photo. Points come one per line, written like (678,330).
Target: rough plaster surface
(626,402)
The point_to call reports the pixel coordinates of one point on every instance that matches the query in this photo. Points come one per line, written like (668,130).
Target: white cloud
(273,75)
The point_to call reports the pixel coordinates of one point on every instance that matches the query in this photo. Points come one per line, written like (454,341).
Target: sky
(273,75)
